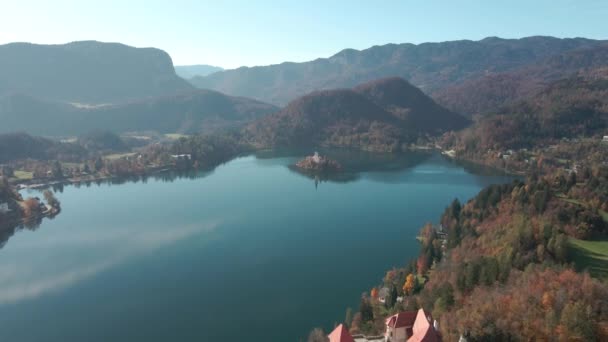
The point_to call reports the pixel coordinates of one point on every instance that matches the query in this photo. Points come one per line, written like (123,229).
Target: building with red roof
(411,326)
(340,334)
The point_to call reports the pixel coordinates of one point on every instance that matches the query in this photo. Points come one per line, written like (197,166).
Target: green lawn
(604,215)
(23,175)
(591,255)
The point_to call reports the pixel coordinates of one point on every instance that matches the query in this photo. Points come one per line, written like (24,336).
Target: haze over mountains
(189,71)
(187,112)
(87,72)
(70,89)
(429,66)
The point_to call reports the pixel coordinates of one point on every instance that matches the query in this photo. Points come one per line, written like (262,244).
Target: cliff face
(87,72)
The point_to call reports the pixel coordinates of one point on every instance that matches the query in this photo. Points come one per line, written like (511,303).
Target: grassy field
(591,255)
(23,175)
(175,136)
(604,215)
(118,155)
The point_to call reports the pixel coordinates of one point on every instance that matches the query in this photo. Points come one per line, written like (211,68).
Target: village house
(340,334)
(182,156)
(411,326)
(605,139)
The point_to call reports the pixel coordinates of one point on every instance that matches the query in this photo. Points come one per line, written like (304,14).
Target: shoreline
(38,184)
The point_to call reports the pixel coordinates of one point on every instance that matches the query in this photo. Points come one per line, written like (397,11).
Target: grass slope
(591,255)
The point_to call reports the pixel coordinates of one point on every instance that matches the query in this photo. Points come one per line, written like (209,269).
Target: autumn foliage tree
(410,284)
(374,293)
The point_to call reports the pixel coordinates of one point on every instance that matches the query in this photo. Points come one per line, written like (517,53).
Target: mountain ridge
(429,66)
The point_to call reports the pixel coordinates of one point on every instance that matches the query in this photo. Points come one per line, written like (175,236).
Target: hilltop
(383,115)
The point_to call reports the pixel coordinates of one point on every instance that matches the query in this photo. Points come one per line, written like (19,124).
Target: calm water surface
(251,251)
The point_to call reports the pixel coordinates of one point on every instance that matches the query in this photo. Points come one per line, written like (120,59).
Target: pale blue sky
(231,33)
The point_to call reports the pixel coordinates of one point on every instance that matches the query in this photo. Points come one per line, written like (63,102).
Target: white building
(4,208)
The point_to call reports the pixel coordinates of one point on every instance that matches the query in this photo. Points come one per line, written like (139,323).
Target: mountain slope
(429,66)
(87,72)
(568,108)
(189,112)
(490,92)
(382,115)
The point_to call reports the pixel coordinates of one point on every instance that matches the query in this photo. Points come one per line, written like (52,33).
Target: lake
(252,250)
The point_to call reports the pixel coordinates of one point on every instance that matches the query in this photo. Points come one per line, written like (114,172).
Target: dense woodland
(510,245)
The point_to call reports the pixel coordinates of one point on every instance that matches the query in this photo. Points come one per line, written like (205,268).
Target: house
(605,139)
(423,330)
(399,326)
(340,334)
(411,326)
(182,156)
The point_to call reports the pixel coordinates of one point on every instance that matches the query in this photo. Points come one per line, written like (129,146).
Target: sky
(233,33)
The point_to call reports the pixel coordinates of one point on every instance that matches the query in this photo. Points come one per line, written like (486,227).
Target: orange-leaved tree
(410,282)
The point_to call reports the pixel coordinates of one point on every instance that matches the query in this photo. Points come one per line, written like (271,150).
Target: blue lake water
(250,251)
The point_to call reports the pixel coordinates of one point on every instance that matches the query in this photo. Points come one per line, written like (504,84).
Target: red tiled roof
(423,331)
(340,334)
(402,319)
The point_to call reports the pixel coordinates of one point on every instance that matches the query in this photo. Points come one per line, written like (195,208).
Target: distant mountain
(87,72)
(568,108)
(429,66)
(189,112)
(189,71)
(15,146)
(490,92)
(382,115)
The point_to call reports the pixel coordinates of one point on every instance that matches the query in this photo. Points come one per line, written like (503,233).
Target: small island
(319,164)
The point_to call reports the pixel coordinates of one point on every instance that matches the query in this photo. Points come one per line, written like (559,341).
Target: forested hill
(492,91)
(519,262)
(429,66)
(570,108)
(19,146)
(87,72)
(383,115)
